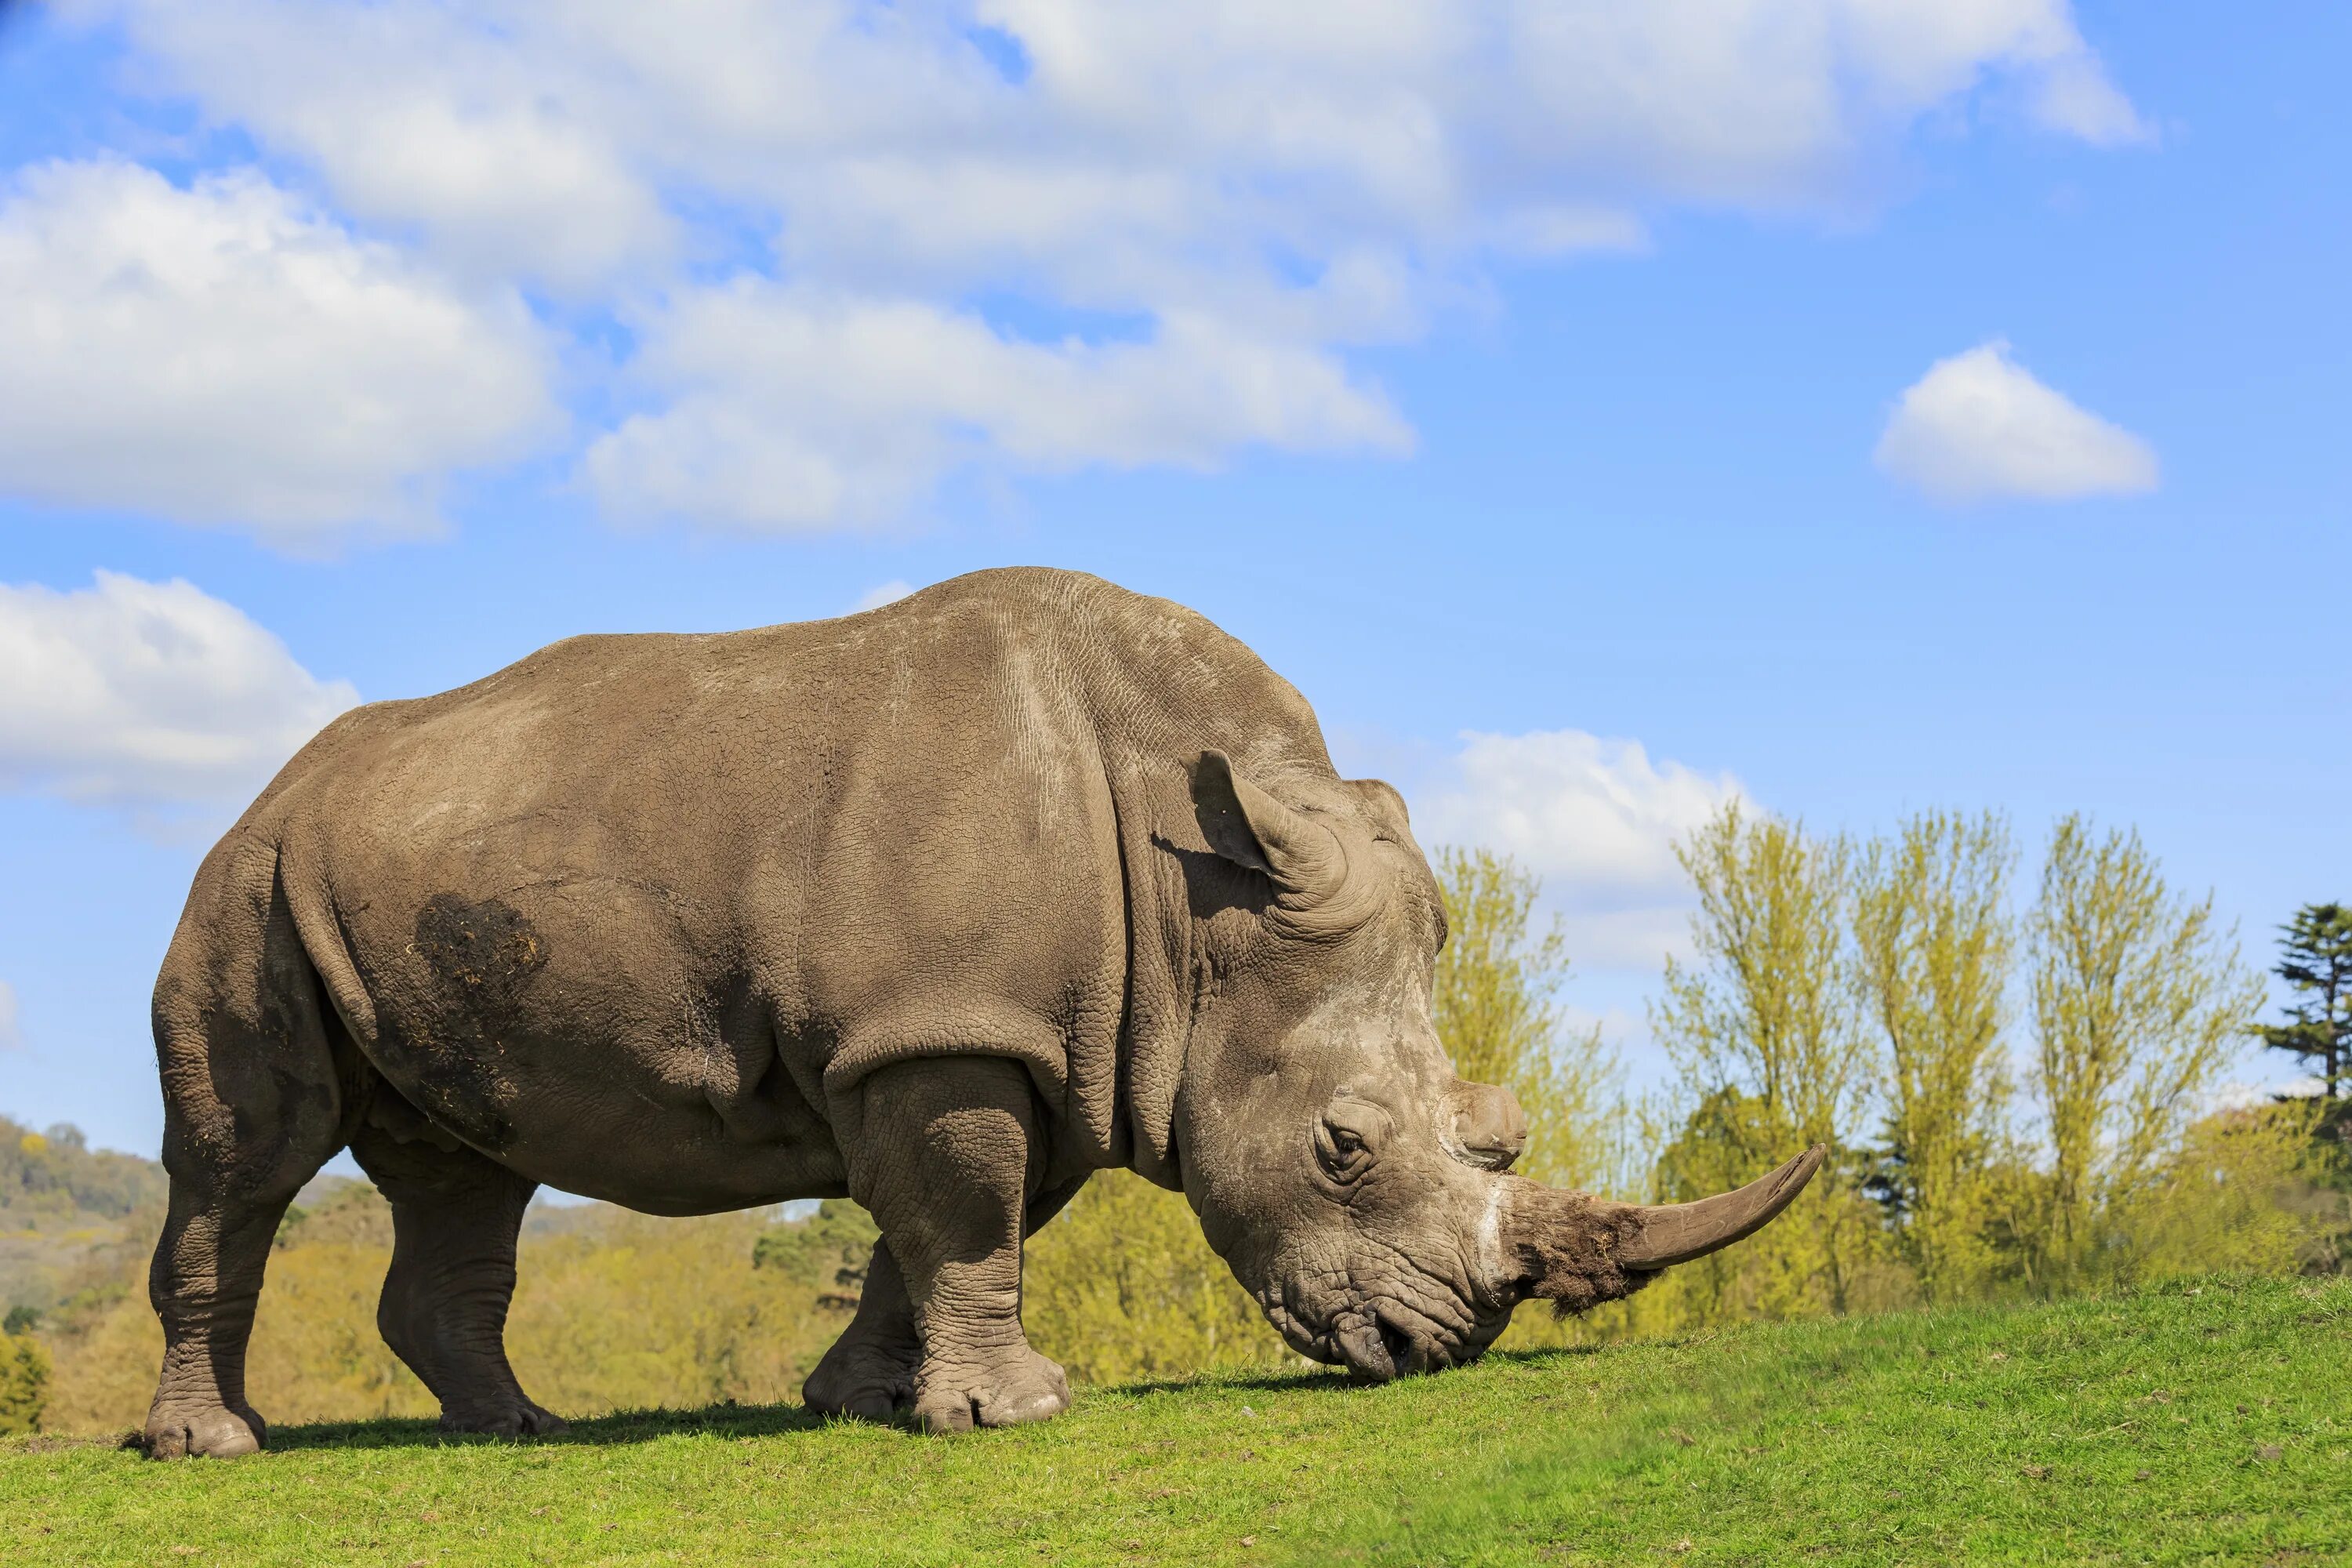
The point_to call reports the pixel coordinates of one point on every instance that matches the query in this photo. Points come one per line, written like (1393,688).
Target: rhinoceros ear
(1316,890)
(1224,816)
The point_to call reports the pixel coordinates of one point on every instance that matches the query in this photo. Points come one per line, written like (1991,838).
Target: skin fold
(941,907)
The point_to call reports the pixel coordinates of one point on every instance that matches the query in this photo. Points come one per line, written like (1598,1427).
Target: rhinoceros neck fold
(1158,1003)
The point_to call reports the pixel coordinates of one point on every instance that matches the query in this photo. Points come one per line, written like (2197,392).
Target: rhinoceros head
(1359,1189)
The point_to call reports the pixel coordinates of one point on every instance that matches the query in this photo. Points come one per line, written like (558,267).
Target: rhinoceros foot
(515,1417)
(211,1433)
(870,1378)
(956,1393)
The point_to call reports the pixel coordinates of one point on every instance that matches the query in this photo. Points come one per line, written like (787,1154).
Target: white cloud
(418,114)
(795,410)
(2240,1095)
(1596,818)
(148,695)
(1241,191)
(1979,426)
(9,1035)
(218,354)
(882,594)
(2075,97)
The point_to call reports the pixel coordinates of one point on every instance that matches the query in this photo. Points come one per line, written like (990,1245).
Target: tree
(2138,995)
(2237,1196)
(55,1176)
(1762,1019)
(1493,1001)
(1934,941)
(830,1250)
(24,1383)
(2316,961)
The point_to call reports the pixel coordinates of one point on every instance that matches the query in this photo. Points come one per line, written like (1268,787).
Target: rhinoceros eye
(1346,1139)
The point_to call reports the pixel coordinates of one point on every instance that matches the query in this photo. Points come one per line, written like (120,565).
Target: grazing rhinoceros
(943,907)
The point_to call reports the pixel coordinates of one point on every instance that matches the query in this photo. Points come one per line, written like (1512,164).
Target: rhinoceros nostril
(1401,1346)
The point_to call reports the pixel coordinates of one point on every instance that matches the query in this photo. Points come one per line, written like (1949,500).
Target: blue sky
(1727,461)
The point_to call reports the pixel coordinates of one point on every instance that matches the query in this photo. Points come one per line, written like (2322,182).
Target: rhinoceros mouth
(1386,1340)
(1382,1338)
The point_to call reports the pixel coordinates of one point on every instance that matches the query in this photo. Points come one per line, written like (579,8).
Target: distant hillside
(65,1209)
(75,1219)
(54,1180)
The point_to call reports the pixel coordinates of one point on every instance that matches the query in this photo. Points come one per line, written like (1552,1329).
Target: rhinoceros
(942,906)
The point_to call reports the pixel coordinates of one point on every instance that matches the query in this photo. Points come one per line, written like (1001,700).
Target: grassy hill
(2210,1421)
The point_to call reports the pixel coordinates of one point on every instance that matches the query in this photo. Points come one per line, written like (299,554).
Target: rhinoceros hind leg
(252,1108)
(950,1152)
(204,1284)
(454,1217)
(869,1372)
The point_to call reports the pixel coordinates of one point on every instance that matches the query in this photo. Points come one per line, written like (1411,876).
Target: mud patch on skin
(480,958)
(488,949)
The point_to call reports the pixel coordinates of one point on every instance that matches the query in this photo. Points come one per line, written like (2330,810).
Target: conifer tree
(2315,959)
(24,1383)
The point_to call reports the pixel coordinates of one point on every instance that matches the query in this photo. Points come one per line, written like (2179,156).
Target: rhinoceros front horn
(1580,1250)
(1668,1234)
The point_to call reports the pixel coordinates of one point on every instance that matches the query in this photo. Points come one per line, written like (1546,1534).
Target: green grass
(2206,1422)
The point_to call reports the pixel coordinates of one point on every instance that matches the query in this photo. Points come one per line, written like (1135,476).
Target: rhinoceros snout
(1386,1340)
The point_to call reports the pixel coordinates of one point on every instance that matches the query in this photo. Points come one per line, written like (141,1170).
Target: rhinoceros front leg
(869,1372)
(949,1152)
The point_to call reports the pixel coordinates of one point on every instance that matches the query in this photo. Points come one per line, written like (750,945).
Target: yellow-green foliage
(1763,1030)
(1493,1002)
(24,1383)
(1833,987)
(642,1311)
(830,1250)
(63,1207)
(55,1178)
(2229,1199)
(1933,943)
(1121,1286)
(2138,1002)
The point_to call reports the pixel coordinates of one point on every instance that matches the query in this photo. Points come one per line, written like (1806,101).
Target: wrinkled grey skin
(942,906)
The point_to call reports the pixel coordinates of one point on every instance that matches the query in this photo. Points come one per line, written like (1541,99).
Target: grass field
(2206,1422)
